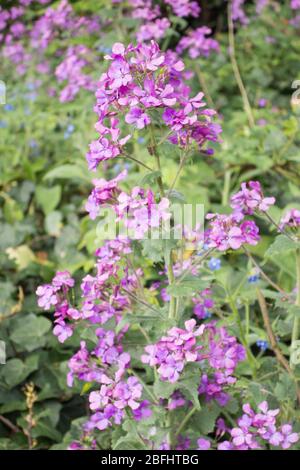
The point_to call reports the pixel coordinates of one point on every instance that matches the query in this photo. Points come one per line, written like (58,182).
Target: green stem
(185,420)
(204,86)
(180,167)
(226,189)
(251,358)
(296,325)
(171,279)
(138,162)
(153,151)
(235,67)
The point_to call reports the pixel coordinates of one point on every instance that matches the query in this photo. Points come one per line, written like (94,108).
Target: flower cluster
(238,13)
(290,219)
(54,295)
(250,199)
(70,70)
(223,355)
(197,43)
(103,192)
(226,232)
(255,430)
(184,8)
(202,304)
(27,46)
(140,213)
(111,401)
(173,351)
(139,80)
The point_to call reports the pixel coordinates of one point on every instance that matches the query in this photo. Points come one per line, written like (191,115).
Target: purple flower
(197,43)
(290,219)
(137,117)
(251,198)
(203,444)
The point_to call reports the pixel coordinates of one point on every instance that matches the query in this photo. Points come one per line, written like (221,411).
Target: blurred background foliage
(44,183)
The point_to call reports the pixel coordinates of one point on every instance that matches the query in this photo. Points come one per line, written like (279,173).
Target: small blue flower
(104,49)
(70,128)
(3,124)
(253,279)
(9,107)
(214,264)
(33,144)
(141,140)
(207,315)
(262,345)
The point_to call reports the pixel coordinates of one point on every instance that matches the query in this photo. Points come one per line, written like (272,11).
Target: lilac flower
(104,191)
(295,4)
(137,117)
(143,411)
(197,43)
(238,13)
(251,198)
(289,437)
(203,444)
(202,304)
(184,8)
(46,296)
(256,429)
(173,351)
(224,233)
(290,219)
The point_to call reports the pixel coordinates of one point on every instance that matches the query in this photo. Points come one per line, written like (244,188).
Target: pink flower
(251,198)
(138,117)
(203,444)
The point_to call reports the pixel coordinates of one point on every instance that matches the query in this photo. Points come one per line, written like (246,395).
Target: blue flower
(9,107)
(207,314)
(253,279)
(3,124)
(214,264)
(262,345)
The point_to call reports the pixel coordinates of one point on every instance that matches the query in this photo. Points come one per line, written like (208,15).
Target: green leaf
(53,223)
(206,418)
(128,444)
(187,287)
(48,198)
(68,171)
(164,389)
(29,331)
(282,245)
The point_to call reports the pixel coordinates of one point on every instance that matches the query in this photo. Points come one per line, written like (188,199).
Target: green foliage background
(44,183)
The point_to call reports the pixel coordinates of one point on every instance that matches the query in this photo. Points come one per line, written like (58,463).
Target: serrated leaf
(282,245)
